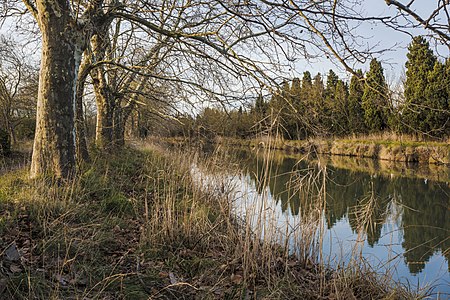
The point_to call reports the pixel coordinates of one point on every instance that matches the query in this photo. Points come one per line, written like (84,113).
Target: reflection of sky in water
(340,242)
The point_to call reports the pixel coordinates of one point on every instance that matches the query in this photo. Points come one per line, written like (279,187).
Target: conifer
(374,100)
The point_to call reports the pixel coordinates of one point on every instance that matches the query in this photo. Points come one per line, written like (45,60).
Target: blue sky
(397,42)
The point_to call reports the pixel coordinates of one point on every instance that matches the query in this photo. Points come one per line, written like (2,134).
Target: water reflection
(362,193)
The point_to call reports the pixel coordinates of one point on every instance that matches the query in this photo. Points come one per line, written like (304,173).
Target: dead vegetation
(136,226)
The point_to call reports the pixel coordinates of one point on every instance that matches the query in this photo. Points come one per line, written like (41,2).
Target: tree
(64,38)
(5,143)
(332,81)
(437,109)
(329,101)
(317,99)
(293,122)
(374,99)
(67,27)
(17,88)
(355,110)
(283,109)
(340,109)
(260,106)
(436,20)
(420,63)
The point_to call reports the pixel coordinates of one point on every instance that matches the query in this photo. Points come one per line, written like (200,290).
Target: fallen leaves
(11,260)
(236,279)
(12,253)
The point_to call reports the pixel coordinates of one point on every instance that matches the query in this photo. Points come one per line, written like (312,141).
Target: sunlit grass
(137,225)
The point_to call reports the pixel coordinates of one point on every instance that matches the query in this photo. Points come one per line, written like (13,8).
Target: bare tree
(245,43)
(436,21)
(16,81)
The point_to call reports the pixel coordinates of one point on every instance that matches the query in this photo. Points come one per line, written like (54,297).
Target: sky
(396,42)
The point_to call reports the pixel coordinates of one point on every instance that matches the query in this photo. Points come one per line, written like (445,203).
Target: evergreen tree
(318,89)
(374,100)
(307,106)
(293,119)
(340,114)
(278,101)
(332,80)
(296,92)
(280,104)
(355,110)
(307,80)
(421,61)
(329,104)
(260,106)
(317,99)
(436,111)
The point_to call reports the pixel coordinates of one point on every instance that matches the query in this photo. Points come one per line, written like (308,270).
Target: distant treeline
(308,107)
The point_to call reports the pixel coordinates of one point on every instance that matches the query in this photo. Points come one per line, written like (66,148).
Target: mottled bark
(54,143)
(103,95)
(82,153)
(122,114)
(105,111)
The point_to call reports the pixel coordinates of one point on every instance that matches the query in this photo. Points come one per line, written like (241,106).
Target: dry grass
(139,225)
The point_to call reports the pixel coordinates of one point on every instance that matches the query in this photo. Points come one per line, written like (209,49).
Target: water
(406,231)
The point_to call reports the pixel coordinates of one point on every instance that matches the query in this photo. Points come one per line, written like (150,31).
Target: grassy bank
(136,225)
(387,150)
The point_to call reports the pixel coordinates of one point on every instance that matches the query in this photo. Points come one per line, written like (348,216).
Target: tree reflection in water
(365,197)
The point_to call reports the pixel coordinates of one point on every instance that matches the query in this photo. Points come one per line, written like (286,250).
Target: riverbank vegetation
(307,108)
(138,226)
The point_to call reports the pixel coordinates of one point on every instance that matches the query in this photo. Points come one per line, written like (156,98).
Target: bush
(5,143)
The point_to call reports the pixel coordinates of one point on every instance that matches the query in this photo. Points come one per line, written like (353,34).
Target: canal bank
(409,152)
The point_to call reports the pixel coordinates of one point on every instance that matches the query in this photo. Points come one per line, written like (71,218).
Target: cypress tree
(295,93)
(260,106)
(307,105)
(329,104)
(317,99)
(281,105)
(340,114)
(355,110)
(420,63)
(332,80)
(374,99)
(292,116)
(436,111)
(307,80)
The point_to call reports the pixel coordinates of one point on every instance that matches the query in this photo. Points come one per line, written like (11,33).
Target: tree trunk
(82,153)
(103,96)
(119,127)
(105,114)
(54,143)
(121,115)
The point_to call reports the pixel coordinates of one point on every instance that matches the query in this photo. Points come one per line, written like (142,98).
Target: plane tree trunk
(54,143)
(104,98)
(82,153)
